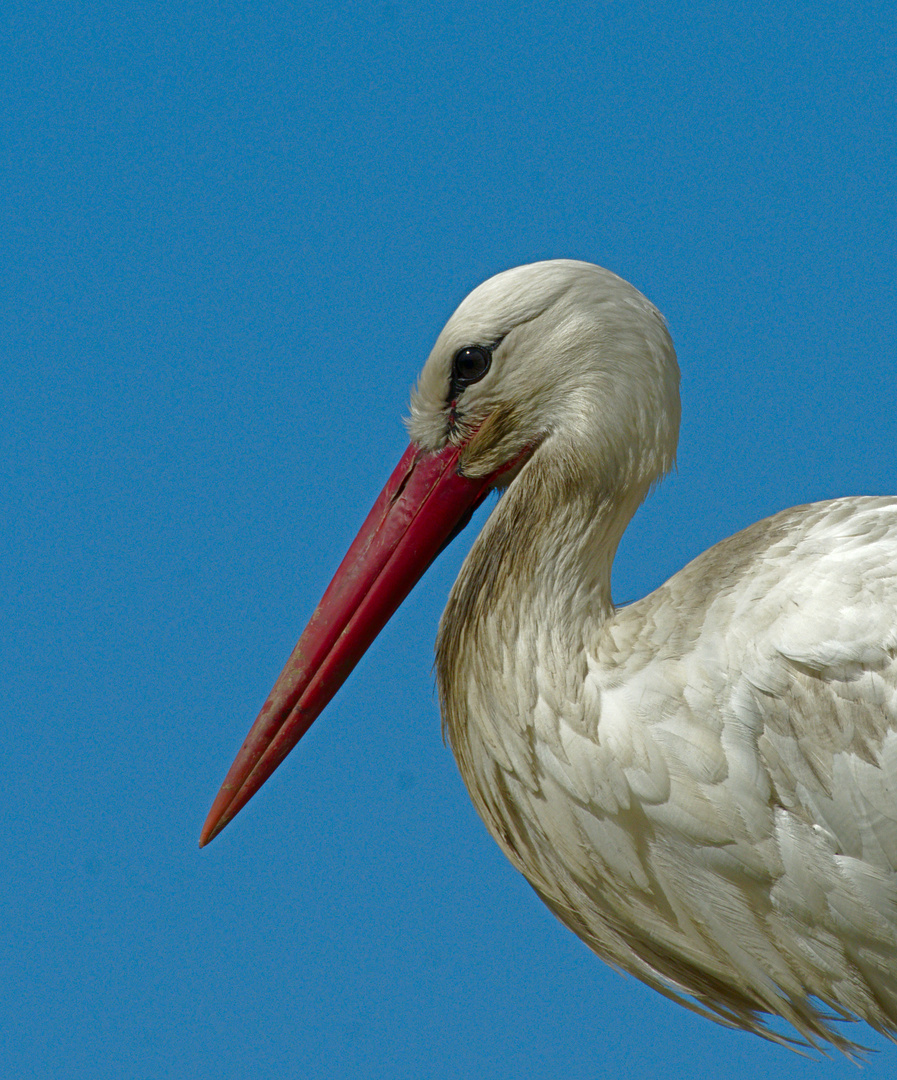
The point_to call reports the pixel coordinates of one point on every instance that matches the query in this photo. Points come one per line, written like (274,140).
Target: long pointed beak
(425,503)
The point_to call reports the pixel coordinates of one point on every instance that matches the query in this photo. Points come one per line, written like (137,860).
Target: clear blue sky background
(230,235)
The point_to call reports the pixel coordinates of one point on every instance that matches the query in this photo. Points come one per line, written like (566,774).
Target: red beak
(425,503)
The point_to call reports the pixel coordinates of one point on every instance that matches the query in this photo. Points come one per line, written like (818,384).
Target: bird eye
(470,365)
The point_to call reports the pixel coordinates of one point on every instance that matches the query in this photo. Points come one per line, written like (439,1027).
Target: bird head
(563,353)
(557,361)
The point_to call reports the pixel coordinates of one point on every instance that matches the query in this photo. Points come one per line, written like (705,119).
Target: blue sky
(231,234)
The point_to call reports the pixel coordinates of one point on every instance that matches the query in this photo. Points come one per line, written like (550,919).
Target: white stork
(702,785)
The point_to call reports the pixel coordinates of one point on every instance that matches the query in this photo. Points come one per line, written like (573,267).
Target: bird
(701,784)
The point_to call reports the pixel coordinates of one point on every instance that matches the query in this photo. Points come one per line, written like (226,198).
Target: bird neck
(535,589)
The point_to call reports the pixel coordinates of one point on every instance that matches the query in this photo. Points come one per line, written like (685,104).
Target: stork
(703,784)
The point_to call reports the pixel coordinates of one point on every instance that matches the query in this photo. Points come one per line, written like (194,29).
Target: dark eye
(470,365)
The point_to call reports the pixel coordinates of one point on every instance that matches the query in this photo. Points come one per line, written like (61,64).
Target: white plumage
(701,785)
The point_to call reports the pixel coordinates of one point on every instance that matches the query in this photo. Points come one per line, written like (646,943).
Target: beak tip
(209,831)
(215,822)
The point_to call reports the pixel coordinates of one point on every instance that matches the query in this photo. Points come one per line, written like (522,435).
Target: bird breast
(695,783)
